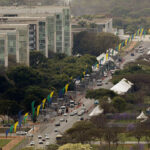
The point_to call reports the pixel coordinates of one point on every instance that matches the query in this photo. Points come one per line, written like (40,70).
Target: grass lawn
(3,142)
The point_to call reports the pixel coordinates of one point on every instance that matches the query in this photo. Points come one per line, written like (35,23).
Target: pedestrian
(66,120)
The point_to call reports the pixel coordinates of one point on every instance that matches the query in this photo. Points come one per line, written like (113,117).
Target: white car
(62,120)
(21,133)
(32,143)
(47,143)
(65,114)
(80,113)
(40,142)
(46,134)
(46,137)
(39,137)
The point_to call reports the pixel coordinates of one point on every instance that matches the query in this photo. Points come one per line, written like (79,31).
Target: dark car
(132,54)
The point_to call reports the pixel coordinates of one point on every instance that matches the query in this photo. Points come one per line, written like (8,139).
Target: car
(57,124)
(30,135)
(40,142)
(55,130)
(80,113)
(132,54)
(21,133)
(65,114)
(43,139)
(46,134)
(47,143)
(62,120)
(46,137)
(81,118)
(32,143)
(105,74)
(106,82)
(6,125)
(39,137)
(73,113)
(99,84)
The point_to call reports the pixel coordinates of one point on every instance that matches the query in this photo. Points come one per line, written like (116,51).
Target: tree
(119,103)
(99,93)
(24,76)
(93,43)
(52,147)
(36,59)
(82,127)
(75,147)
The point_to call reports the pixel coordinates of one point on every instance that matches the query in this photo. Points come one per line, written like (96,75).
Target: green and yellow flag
(66,88)
(52,93)
(84,73)
(43,102)
(38,110)
(25,117)
(15,126)
(119,47)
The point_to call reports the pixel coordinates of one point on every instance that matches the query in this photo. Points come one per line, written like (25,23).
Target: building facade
(49,28)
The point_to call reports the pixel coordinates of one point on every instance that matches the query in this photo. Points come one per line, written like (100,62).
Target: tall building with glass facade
(49,29)
(14,44)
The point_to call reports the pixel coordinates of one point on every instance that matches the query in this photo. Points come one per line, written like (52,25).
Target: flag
(84,73)
(15,126)
(66,88)
(60,93)
(119,47)
(33,113)
(48,97)
(20,122)
(51,95)
(7,131)
(43,102)
(97,65)
(141,33)
(126,42)
(71,78)
(106,56)
(38,110)
(25,117)
(33,109)
(82,79)
(20,118)
(11,128)
(33,102)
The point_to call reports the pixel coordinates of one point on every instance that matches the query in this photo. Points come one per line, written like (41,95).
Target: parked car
(99,82)
(57,124)
(40,142)
(39,137)
(47,143)
(132,54)
(32,143)
(46,137)
(80,113)
(62,120)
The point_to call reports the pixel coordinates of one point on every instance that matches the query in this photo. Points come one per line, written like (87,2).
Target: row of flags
(140,32)
(37,109)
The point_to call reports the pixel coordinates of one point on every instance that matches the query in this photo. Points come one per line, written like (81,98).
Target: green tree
(119,103)
(37,58)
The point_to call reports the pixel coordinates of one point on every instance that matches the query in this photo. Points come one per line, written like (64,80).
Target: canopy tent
(102,59)
(96,111)
(122,87)
(142,116)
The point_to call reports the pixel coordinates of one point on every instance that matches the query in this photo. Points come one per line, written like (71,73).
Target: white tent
(142,116)
(96,111)
(122,87)
(148,53)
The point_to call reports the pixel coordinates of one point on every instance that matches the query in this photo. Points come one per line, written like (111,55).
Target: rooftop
(32,11)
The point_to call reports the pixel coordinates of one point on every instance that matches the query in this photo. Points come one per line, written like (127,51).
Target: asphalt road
(49,127)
